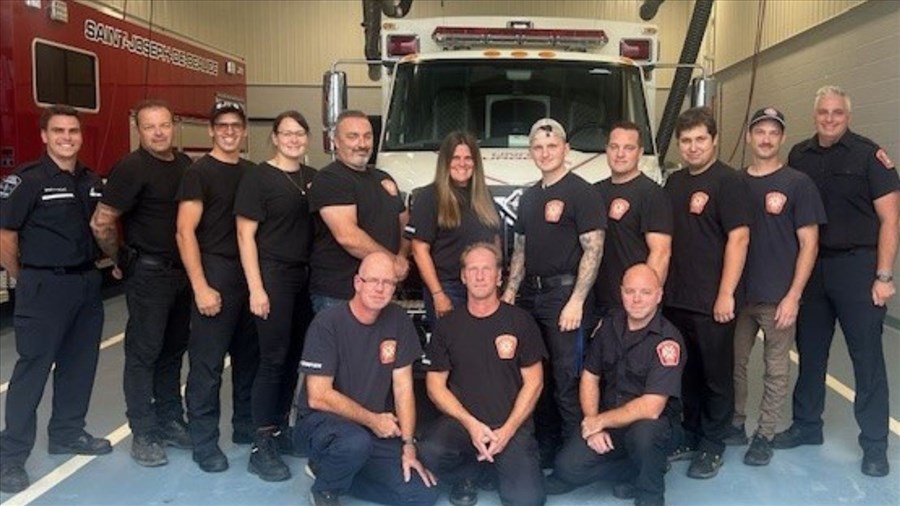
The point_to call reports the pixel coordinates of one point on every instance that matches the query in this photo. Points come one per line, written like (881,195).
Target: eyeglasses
(299,134)
(379,283)
(222,127)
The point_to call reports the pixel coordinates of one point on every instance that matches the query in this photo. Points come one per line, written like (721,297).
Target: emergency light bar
(462,37)
(402,45)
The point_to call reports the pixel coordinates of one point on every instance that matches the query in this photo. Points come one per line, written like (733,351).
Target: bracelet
(437,292)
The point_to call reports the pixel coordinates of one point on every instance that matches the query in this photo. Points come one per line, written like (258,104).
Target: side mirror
(334,101)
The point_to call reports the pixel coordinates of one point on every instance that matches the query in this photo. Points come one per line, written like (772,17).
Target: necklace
(299,187)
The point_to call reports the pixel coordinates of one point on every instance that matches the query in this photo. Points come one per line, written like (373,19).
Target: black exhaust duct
(692,42)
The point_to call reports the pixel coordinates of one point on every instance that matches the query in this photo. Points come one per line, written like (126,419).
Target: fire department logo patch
(775,202)
(617,208)
(882,157)
(389,186)
(387,352)
(506,346)
(669,353)
(9,185)
(553,210)
(698,202)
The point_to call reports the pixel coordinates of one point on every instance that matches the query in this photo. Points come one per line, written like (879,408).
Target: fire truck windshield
(499,100)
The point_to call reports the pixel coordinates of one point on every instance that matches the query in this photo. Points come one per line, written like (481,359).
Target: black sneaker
(759,453)
(324,498)
(735,436)
(147,451)
(795,436)
(464,493)
(85,444)
(265,461)
(13,479)
(284,443)
(211,461)
(175,433)
(705,465)
(556,486)
(683,452)
(875,464)
(624,490)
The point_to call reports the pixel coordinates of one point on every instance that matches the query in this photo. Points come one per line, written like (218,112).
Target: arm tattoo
(517,264)
(592,253)
(103,224)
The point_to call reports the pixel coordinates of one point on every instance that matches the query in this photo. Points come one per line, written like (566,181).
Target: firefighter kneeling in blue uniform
(629,430)
(47,245)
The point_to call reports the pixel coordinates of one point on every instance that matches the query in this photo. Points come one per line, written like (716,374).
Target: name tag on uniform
(58,196)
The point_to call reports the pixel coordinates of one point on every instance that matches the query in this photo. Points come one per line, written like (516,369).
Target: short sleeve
(657,215)
(423,216)
(524,202)
(590,209)
(319,350)
(530,335)
(123,187)
(408,350)
(331,189)
(436,352)
(191,187)
(667,364)
(809,209)
(248,202)
(593,360)
(17,197)
(881,174)
(735,207)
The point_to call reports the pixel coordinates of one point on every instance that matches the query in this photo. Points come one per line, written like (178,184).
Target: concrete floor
(822,475)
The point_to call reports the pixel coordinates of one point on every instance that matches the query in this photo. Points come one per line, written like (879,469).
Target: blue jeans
(453,289)
(320,302)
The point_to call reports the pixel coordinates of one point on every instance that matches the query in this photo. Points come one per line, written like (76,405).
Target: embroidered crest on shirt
(698,202)
(387,352)
(882,157)
(389,186)
(506,346)
(553,210)
(775,202)
(669,353)
(9,185)
(618,207)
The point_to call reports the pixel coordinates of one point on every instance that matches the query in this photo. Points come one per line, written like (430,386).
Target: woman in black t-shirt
(275,230)
(446,216)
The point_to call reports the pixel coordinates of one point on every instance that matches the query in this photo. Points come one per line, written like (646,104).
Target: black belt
(159,262)
(547,282)
(72,269)
(836,252)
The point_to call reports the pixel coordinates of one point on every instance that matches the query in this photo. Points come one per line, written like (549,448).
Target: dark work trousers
(707,385)
(454,289)
(841,288)
(349,458)
(156,337)
(639,456)
(58,318)
(446,449)
(280,340)
(558,413)
(231,331)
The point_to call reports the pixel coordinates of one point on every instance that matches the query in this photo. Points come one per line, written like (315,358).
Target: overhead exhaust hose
(372,26)
(692,42)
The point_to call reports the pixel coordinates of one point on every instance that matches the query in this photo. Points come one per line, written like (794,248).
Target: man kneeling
(629,430)
(485,376)
(357,356)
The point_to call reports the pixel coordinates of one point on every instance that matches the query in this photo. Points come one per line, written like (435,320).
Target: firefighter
(47,245)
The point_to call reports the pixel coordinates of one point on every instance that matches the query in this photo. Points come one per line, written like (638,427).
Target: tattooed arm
(516,270)
(592,252)
(103,225)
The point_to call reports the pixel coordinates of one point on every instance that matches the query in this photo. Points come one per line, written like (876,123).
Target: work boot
(736,436)
(212,460)
(875,464)
(324,498)
(13,478)
(284,443)
(147,451)
(85,444)
(464,493)
(705,465)
(175,433)
(683,452)
(265,461)
(760,451)
(794,436)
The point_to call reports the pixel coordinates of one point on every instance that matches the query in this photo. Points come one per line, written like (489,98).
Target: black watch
(411,441)
(884,277)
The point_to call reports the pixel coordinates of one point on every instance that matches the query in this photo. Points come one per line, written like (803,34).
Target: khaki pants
(777,344)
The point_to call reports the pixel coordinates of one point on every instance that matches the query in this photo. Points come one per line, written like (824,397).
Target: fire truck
(100,62)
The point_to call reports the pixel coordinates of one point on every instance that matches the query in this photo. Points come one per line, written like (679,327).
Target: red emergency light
(402,45)
(636,49)
(457,36)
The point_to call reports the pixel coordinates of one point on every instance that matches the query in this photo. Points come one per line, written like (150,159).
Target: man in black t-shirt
(357,414)
(562,218)
(785,230)
(220,316)
(639,218)
(485,375)
(358,211)
(141,193)
(630,390)
(852,280)
(711,212)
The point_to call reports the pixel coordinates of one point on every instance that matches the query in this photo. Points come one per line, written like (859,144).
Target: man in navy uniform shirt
(852,279)
(47,245)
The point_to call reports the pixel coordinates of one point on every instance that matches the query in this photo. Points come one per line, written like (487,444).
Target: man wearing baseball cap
(785,229)
(562,216)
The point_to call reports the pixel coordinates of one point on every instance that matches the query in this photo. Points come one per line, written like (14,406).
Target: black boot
(264,458)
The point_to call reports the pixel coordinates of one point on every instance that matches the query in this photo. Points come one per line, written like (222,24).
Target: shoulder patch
(9,185)
(669,353)
(882,157)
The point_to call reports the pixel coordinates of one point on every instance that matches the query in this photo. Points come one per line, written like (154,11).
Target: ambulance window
(65,76)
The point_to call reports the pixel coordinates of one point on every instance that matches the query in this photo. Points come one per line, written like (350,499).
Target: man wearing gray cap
(563,219)
(785,231)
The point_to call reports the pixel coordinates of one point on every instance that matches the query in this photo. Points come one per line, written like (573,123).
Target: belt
(72,269)
(836,252)
(547,282)
(157,261)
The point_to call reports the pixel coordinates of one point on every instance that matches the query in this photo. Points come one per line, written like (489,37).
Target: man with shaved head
(357,415)
(628,430)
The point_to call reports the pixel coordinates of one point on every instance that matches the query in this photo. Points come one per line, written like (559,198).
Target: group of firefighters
(618,343)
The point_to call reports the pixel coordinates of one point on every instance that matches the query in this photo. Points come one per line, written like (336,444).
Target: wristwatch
(410,442)
(884,276)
